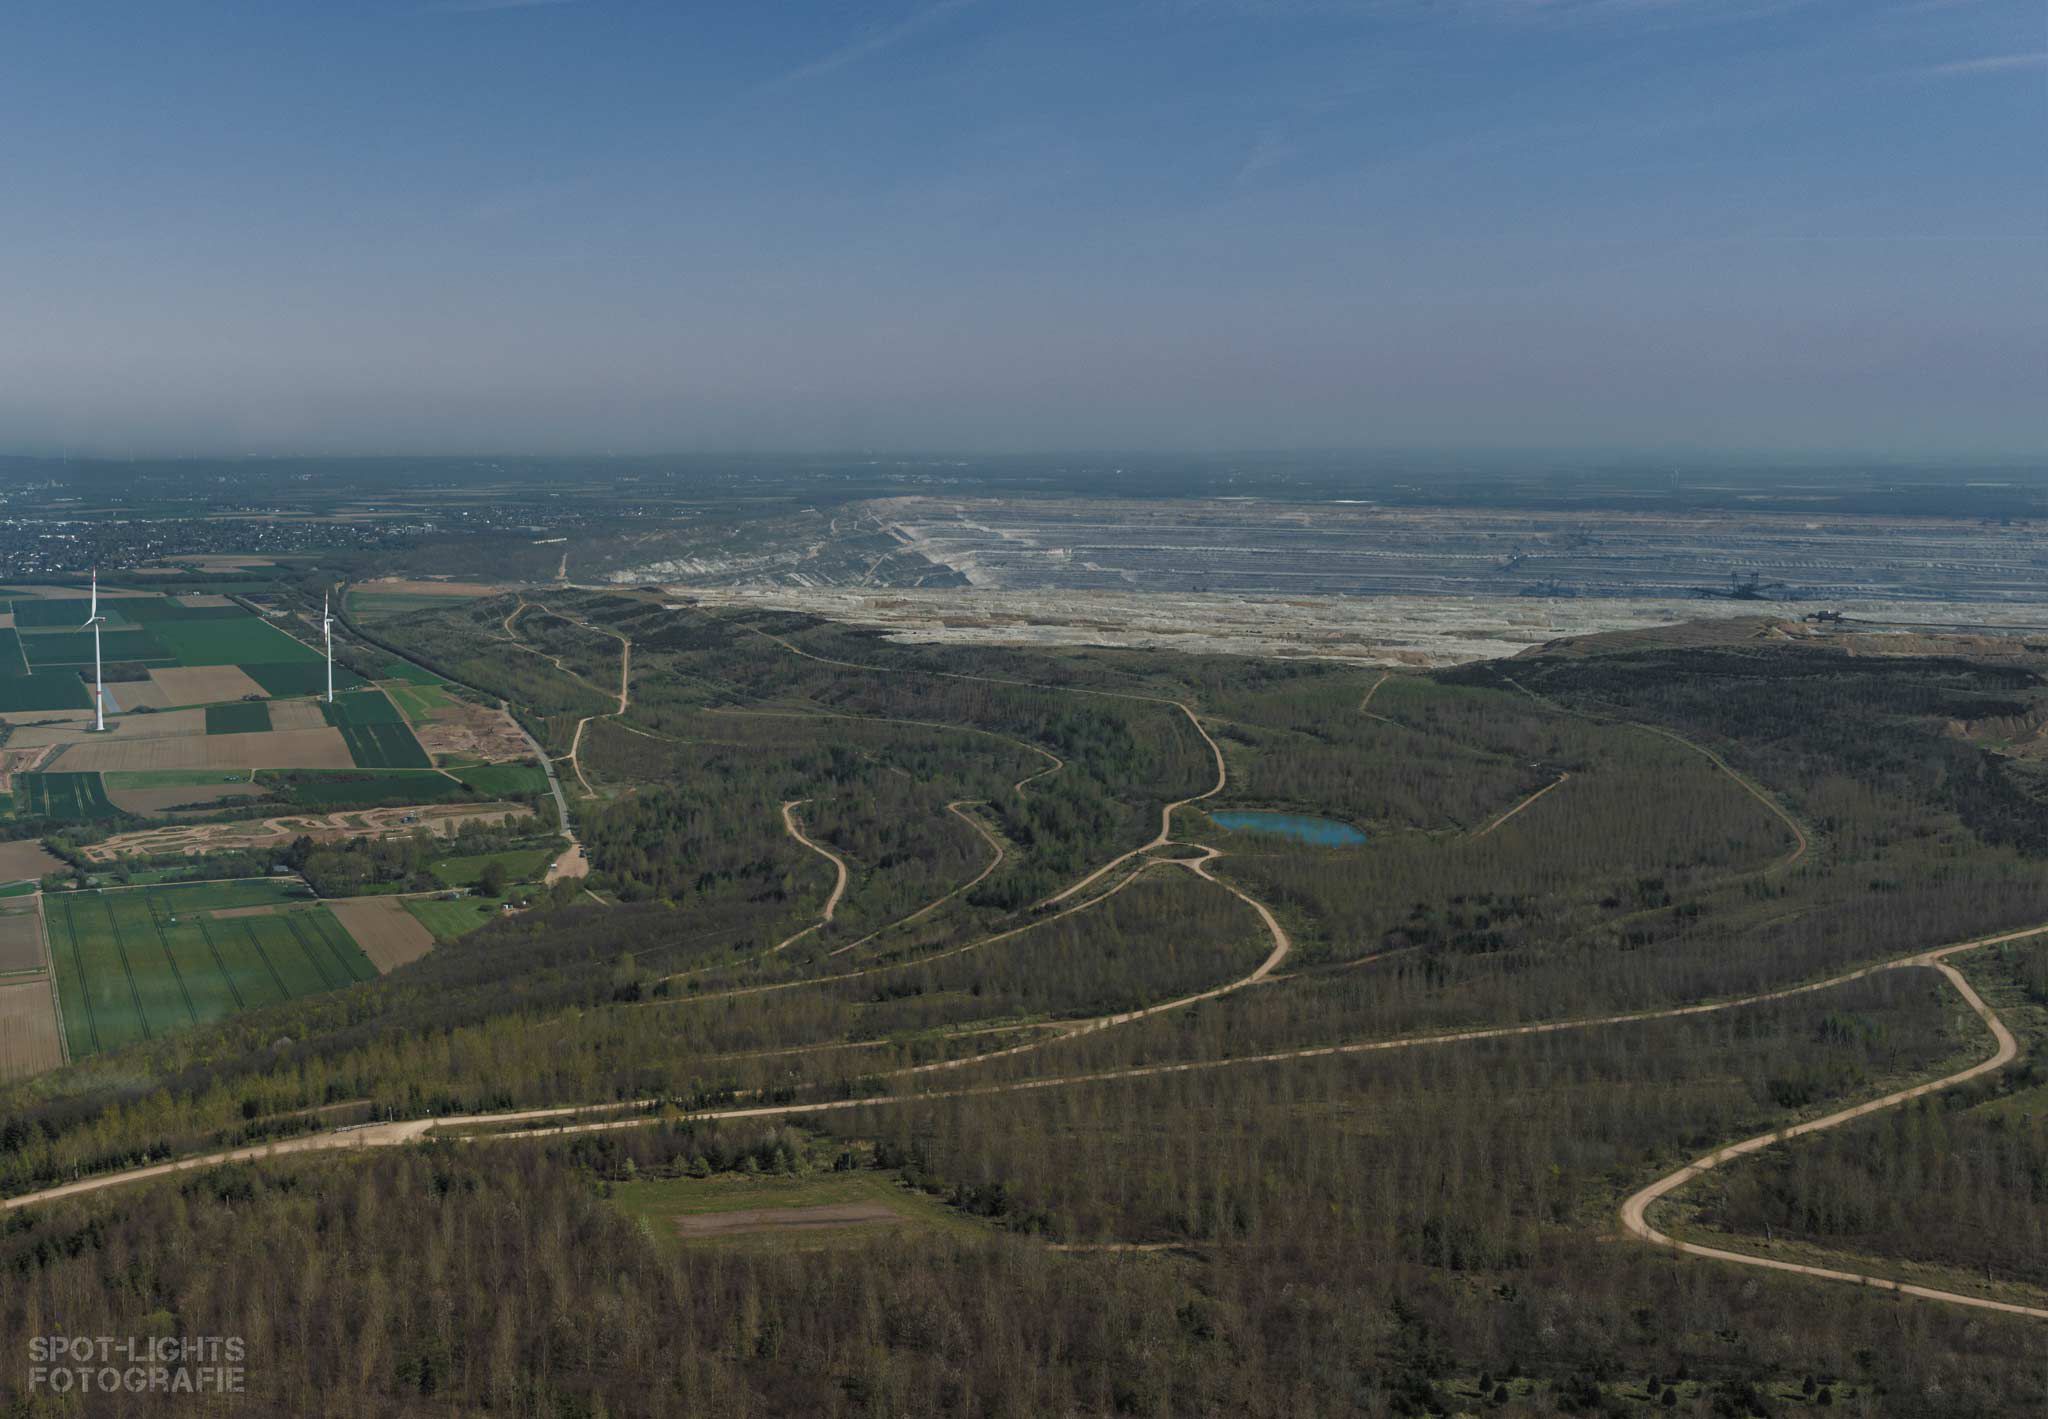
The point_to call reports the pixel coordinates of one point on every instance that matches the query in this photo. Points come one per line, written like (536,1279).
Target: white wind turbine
(99,684)
(327,630)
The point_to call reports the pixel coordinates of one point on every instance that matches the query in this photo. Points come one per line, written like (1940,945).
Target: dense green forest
(1175,1110)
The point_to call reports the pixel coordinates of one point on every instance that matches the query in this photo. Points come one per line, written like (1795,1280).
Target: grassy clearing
(520,864)
(376,605)
(70,798)
(448,920)
(362,707)
(418,702)
(505,780)
(247,640)
(411,674)
(384,746)
(242,718)
(657,1205)
(139,964)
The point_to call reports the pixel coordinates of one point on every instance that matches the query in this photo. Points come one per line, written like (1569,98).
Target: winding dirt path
(1558,782)
(958,810)
(790,826)
(1635,1211)
(1165,838)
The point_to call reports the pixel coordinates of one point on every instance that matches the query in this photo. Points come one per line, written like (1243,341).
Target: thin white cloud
(1990,64)
(874,44)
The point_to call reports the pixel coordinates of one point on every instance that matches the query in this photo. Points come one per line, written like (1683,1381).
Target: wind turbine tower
(327,630)
(99,684)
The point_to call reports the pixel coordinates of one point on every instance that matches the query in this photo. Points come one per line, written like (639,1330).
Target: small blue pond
(1322,832)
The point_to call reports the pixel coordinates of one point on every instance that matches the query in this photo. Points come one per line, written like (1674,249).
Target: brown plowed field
(29,1042)
(296,714)
(171,724)
(158,802)
(390,935)
(322,748)
(21,934)
(26,858)
(204,685)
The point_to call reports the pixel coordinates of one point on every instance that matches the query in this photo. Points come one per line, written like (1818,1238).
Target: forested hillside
(1148,1115)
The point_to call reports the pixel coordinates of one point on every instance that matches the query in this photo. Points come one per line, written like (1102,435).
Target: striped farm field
(140,963)
(68,797)
(385,746)
(361,707)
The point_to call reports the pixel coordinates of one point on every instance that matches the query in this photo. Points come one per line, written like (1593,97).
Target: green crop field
(363,707)
(520,864)
(418,702)
(412,674)
(140,963)
(283,680)
(249,717)
(65,613)
(384,746)
(248,640)
(71,798)
(54,648)
(11,661)
(329,789)
(504,780)
(156,610)
(59,689)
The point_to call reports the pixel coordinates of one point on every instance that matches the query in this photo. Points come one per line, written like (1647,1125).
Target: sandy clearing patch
(190,838)
(777,1219)
(204,685)
(21,936)
(156,802)
(26,858)
(474,732)
(390,935)
(6,620)
(573,864)
(278,749)
(29,1042)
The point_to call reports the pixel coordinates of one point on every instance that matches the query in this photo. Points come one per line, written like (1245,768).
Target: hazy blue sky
(295,225)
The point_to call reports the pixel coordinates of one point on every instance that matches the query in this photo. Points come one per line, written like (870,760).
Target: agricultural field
(365,788)
(384,746)
(29,1039)
(24,859)
(418,702)
(505,780)
(140,963)
(21,935)
(390,935)
(66,797)
(242,718)
(360,707)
